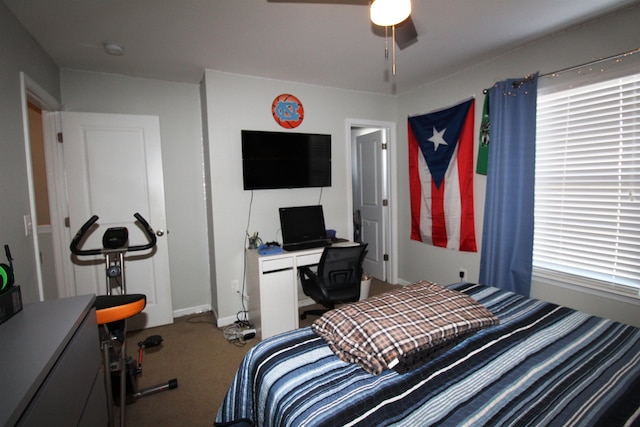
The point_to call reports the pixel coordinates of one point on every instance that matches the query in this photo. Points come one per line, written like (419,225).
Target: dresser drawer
(95,412)
(63,395)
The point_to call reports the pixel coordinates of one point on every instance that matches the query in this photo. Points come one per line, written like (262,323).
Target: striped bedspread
(542,365)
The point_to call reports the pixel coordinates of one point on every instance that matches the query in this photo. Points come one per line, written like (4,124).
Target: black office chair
(337,280)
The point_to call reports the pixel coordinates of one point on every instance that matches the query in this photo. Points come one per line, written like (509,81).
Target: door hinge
(385,202)
(384,145)
(386,257)
(60,137)
(67,222)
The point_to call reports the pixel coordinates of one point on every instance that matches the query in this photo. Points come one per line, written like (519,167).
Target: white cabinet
(272,282)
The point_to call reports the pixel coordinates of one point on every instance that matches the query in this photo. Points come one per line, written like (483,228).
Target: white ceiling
(324,44)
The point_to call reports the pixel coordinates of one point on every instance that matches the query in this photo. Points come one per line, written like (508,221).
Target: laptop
(303,228)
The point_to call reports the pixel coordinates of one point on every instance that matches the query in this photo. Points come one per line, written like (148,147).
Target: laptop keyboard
(306,245)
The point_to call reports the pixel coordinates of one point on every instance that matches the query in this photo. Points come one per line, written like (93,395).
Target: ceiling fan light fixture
(387,13)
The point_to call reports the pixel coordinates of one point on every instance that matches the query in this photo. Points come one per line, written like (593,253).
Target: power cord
(239,333)
(245,312)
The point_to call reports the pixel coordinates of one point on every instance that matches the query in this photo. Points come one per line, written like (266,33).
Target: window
(587,189)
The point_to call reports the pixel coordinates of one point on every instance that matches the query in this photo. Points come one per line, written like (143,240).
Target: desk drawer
(310,259)
(278,264)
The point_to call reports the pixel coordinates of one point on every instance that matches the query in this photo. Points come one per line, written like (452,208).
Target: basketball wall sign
(287,111)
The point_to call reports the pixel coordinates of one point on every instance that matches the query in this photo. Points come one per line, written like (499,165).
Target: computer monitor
(301,224)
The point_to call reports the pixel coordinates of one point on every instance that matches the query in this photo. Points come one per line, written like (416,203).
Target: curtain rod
(575,67)
(597,61)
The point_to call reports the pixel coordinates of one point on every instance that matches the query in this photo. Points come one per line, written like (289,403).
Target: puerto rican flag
(441,177)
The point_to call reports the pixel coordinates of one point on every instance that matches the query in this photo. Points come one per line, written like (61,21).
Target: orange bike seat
(112,308)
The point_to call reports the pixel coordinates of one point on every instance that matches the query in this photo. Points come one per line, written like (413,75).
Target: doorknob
(160,233)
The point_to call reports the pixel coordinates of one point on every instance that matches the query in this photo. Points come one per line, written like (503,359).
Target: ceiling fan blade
(406,33)
(356,2)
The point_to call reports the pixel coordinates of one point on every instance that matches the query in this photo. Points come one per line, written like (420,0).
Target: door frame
(391,226)
(34,93)
(58,209)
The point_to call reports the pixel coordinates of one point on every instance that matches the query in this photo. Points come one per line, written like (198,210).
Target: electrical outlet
(462,274)
(235,286)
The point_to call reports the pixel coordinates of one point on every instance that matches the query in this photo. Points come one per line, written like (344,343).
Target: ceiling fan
(405,31)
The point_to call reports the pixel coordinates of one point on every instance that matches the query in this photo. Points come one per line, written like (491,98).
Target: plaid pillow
(377,332)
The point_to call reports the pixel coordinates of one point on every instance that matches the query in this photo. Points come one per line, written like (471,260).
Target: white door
(370,194)
(113,167)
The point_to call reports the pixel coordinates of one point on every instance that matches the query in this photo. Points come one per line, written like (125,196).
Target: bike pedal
(152,341)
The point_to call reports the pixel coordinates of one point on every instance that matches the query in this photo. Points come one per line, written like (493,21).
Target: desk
(50,366)
(272,284)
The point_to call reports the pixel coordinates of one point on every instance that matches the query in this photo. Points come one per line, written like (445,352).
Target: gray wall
(237,102)
(178,106)
(18,53)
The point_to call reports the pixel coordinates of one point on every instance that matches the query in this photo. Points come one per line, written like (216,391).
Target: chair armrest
(310,279)
(307,273)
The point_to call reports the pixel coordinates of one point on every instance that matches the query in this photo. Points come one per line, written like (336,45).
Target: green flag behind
(483,150)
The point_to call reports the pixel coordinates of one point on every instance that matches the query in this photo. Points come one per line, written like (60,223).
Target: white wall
(18,53)
(178,106)
(237,102)
(605,37)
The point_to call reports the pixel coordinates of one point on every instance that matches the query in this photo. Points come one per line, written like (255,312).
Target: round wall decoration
(287,111)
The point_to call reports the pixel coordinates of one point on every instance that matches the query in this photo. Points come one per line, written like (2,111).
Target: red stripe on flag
(465,176)
(415,192)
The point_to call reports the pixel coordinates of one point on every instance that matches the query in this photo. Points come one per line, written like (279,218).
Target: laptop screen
(302,224)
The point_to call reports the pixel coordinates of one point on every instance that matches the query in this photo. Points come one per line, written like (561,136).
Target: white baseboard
(304,302)
(191,310)
(222,322)
(231,319)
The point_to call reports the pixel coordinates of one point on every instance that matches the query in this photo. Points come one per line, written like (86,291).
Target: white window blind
(587,189)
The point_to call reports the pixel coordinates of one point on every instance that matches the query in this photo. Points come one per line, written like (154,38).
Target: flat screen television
(273,160)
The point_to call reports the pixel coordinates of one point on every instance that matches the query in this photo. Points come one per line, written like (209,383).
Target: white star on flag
(437,138)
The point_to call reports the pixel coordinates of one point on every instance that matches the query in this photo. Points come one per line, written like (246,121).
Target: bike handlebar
(85,227)
(148,231)
(79,235)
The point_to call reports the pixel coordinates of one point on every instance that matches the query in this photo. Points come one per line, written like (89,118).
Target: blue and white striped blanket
(542,365)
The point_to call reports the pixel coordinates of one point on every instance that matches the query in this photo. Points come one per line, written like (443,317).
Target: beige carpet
(195,352)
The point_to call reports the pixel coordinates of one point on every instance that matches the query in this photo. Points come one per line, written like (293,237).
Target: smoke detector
(113,48)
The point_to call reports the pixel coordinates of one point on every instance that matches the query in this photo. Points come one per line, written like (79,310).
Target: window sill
(620,308)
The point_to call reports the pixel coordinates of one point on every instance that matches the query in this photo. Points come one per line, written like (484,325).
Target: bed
(539,364)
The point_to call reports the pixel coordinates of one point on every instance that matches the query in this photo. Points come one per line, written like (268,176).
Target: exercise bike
(112,312)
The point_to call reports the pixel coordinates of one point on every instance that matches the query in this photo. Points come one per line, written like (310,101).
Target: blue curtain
(507,238)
